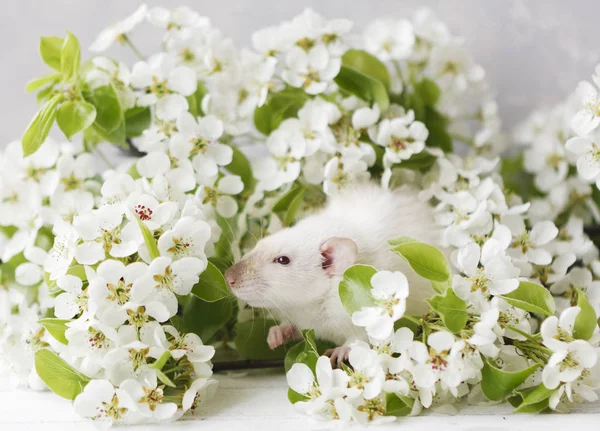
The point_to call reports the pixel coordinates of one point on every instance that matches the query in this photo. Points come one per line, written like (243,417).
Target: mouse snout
(234,274)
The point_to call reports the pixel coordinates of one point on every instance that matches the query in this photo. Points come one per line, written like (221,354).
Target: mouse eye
(282,260)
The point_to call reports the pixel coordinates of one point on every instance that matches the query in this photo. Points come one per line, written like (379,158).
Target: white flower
(548,161)
(73,301)
(177,19)
(339,173)
(484,336)
(390,39)
(186,239)
(390,290)
(311,69)
(30,272)
(218,193)
(199,139)
(496,275)
(401,139)
(528,245)
(200,390)
(63,251)
(119,30)
(164,279)
(587,118)
(149,211)
(159,77)
(452,67)
(190,345)
(568,364)
(367,373)
(147,398)
(556,332)
(103,234)
(329,385)
(110,289)
(588,157)
(100,401)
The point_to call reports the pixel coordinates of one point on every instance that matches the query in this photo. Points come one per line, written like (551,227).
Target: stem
(399,70)
(248,364)
(103,157)
(136,51)
(462,138)
(413,319)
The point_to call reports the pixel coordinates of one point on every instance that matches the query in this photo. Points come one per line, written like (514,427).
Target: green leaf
(535,399)
(440,286)
(108,106)
(279,106)
(195,100)
(398,405)
(56,328)
(405,322)
(60,377)
(363,86)
(422,160)
(355,288)
(429,91)
(289,204)
(137,120)
(251,339)
(451,309)
(212,285)
(498,384)
(206,318)
(41,81)
(368,64)
(424,259)
(164,379)
(96,134)
(585,322)
(240,165)
(50,48)
(531,297)
(149,241)
(74,117)
(70,58)
(40,126)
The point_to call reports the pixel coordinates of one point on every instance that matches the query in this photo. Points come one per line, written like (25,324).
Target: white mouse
(295,272)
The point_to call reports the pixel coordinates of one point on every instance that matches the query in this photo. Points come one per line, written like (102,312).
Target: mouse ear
(338,254)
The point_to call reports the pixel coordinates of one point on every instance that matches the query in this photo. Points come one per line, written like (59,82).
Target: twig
(247,365)
(136,51)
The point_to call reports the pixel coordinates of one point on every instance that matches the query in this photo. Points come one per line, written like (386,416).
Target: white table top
(257,401)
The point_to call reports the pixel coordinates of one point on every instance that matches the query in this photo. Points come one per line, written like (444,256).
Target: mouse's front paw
(338,355)
(279,335)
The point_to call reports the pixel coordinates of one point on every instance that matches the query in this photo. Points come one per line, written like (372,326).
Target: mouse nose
(231,275)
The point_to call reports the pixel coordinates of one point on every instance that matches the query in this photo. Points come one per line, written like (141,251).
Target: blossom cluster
(337,137)
(37,192)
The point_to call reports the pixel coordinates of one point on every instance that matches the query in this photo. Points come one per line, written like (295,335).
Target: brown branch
(247,365)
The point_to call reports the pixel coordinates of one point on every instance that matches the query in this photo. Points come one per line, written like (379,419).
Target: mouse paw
(338,355)
(279,335)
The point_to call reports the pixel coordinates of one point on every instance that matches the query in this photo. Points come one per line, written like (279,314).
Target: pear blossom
(119,30)
(588,157)
(401,139)
(159,77)
(528,245)
(147,398)
(390,39)
(177,19)
(218,192)
(327,385)
(165,278)
(73,300)
(390,290)
(187,238)
(100,401)
(312,69)
(339,173)
(587,119)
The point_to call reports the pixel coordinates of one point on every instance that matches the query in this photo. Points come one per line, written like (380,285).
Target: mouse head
(290,268)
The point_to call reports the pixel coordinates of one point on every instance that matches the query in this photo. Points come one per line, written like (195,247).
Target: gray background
(534,51)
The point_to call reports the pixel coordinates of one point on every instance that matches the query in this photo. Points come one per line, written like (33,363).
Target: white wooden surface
(257,401)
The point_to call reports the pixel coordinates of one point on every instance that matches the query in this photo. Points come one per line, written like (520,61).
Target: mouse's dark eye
(282,260)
